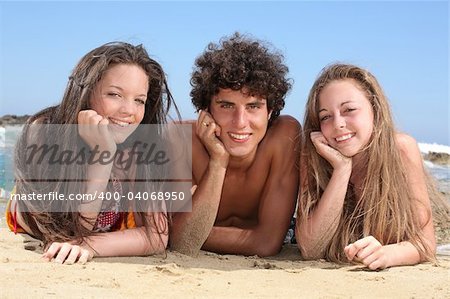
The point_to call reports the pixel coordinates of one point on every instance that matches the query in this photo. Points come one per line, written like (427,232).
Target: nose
(339,122)
(128,107)
(240,118)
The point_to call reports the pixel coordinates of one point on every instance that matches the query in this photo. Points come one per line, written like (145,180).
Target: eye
(140,101)
(226,106)
(114,95)
(324,117)
(254,106)
(350,109)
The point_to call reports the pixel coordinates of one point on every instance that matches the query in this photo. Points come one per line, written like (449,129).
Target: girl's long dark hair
(57,123)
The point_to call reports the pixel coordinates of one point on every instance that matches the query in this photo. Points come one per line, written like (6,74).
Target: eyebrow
(121,89)
(342,104)
(220,101)
(259,102)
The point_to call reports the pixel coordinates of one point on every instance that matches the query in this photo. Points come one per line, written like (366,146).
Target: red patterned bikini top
(110,216)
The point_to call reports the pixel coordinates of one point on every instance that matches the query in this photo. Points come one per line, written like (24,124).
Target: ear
(270,114)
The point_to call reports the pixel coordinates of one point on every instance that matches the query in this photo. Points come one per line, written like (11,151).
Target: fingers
(377,264)
(207,129)
(103,127)
(354,249)
(73,255)
(350,252)
(94,130)
(67,253)
(57,250)
(89,117)
(204,122)
(318,137)
(372,246)
(193,188)
(51,251)
(332,155)
(84,257)
(367,251)
(320,143)
(218,131)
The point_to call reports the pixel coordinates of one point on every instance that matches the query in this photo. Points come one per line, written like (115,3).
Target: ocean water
(8,138)
(2,157)
(439,172)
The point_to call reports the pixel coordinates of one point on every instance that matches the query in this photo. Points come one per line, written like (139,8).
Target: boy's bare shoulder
(285,127)
(283,137)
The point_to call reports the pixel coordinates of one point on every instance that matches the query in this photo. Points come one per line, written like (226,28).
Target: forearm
(97,181)
(129,242)
(402,254)
(317,230)
(190,229)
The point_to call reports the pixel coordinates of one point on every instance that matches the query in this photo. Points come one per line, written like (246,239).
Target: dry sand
(24,275)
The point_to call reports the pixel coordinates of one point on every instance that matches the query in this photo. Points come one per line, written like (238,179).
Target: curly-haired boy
(244,154)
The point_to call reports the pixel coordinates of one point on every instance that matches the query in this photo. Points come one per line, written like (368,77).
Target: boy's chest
(241,198)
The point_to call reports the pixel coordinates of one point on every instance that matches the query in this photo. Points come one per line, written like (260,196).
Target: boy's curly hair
(239,62)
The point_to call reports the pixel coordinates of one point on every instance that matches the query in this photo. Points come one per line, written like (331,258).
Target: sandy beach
(23,274)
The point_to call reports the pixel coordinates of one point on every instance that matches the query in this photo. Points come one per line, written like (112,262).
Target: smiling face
(243,120)
(120,96)
(346,116)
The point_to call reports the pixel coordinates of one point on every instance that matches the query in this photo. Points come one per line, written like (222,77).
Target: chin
(120,139)
(239,152)
(348,153)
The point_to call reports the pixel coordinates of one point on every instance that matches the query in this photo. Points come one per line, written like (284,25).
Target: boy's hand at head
(208,131)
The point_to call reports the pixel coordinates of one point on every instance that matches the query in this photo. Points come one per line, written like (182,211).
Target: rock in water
(438,158)
(13,120)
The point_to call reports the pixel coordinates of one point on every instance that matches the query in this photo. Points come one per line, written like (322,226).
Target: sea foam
(434,147)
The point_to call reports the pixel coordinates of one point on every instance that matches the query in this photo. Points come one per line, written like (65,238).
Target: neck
(241,164)
(359,168)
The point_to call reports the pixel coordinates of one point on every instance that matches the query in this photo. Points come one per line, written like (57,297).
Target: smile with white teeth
(344,137)
(239,136)
(120,123)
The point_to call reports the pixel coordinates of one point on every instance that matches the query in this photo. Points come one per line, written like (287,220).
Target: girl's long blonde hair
(386,208)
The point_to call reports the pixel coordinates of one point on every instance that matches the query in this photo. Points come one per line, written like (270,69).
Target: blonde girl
(363,194)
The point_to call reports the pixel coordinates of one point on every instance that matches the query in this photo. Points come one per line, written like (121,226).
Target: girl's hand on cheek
(333,156)
(93,129)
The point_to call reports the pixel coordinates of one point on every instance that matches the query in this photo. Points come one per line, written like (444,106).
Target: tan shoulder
(284,135)
(286,125)
(185,122)
(180,125)
(197,144)
(188,121)
(405,143)
(408,148)
(41,120)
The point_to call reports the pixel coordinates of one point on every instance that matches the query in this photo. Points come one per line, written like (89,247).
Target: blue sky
(404,44)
